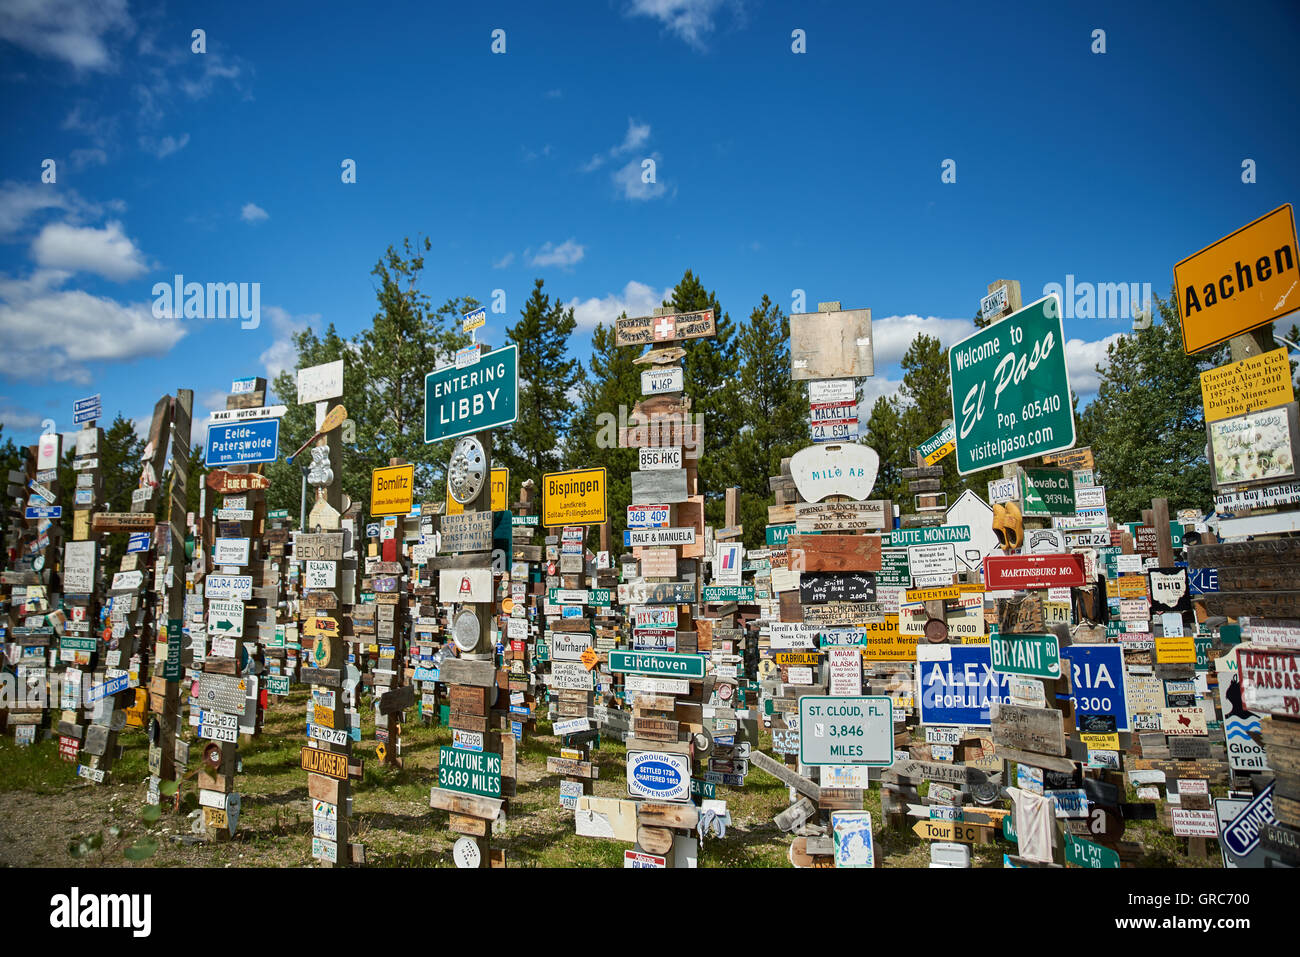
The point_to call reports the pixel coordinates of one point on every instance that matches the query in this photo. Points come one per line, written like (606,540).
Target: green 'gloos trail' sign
(482,396)
(1011,389)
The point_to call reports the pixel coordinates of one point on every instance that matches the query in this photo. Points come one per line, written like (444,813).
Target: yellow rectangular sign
(1176,650)
(331,765)
(941,453)
(576,497)
(1246,279)
(392,490)
(885,643)
(1259,382)
(500,489)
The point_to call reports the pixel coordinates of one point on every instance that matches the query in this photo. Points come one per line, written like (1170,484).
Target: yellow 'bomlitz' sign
(392,490)
(1246,279)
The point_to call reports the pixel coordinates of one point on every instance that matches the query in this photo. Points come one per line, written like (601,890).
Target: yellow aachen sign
(1246,279)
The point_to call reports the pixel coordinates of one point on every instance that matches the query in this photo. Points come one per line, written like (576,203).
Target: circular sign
(466,854)
(155,729)
(767,668)
(467,469)
(507,605)
(38,563)
(465,630)
(703,743)
(212,756)
(984,792)
(936,631)
(725,691)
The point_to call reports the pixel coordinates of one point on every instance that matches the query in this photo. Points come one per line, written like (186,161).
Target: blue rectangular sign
(242,443)
(960,690)
(480,397)
(1097,682)
(87,409)
(44,511)
(138,542)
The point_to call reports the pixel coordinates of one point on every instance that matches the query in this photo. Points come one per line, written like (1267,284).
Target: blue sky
(775,171)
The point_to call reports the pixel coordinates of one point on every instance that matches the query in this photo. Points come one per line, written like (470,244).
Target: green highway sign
(1011,389)
(1034,656)
(276,513)
(1047,492)
(719,593)
(473,399)
(470,772)
(654,663)
(73,643)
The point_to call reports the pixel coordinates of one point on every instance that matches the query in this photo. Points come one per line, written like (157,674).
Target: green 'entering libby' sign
(473,399)
(1011,389)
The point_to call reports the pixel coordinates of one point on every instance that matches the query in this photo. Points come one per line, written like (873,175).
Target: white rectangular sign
(231,551)
(320,382)
(660,458)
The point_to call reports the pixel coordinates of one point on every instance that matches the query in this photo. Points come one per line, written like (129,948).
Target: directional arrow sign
(970,509)
(226,617)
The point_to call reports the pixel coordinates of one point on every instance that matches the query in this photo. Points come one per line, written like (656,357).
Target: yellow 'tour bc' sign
(574,498)
(500,486)
(1244,280)
(392,490)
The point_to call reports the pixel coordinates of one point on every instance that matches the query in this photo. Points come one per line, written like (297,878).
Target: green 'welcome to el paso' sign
(1011,389)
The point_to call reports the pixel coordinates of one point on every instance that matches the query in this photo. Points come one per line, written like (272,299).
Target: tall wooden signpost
(476,774)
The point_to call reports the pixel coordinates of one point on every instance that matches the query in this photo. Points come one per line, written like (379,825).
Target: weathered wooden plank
(459,671)
(833,553)
(831,345)
(486,808)
(843,516)
(1281,551)
(1040,730)
(779,771)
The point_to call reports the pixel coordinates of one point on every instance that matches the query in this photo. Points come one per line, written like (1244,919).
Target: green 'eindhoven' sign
(651,663)
(1011,389)
(473,399)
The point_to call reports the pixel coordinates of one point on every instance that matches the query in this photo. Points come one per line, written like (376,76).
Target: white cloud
(48,334)
(16,420)
(637,135)
(162,148)
(81,159)
(281,354)
(107,252)
(630,184)
(892,335)
(69,30)
(504,261)
(564,255)
(22,201)
(1082,358)
(636,299)
(252,213)
(690,20)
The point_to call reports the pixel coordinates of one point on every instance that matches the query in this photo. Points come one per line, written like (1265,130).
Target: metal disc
(467,469)
(465,630)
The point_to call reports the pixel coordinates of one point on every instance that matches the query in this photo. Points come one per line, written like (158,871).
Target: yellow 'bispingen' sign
(576,497)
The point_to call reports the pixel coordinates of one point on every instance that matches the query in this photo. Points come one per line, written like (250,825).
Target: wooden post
(1164,542)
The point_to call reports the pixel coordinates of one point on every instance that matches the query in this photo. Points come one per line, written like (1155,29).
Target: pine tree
(1147,424)
(773,410)
(614,384)
(547,377)
(119,469)
(884,434)
(711,366)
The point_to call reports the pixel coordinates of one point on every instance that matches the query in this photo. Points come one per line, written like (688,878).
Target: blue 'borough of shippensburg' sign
(242,443)
(474,399)
(958,684)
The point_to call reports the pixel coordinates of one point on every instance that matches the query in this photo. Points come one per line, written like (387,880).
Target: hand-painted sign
(481,397)
(242,443)
(639,330)
(1027,410)
(845,469)
(317,383)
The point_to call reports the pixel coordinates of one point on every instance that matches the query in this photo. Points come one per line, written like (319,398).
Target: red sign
(219,480)
(1270,679)
(1033,571)
(68,748)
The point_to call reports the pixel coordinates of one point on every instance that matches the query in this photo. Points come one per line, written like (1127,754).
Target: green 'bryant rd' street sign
(1011,389)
